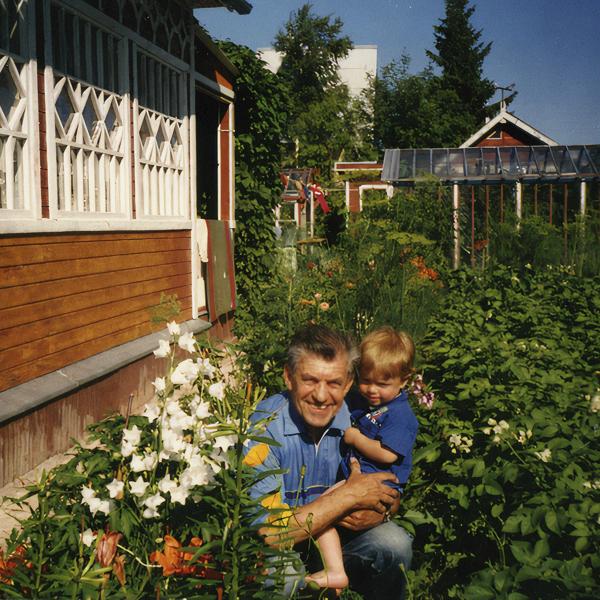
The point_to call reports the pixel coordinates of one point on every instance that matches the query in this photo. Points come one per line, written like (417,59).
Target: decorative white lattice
(14,139)
(161,165)
(91,168)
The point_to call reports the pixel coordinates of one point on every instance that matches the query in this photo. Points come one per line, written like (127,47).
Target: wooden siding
(66,297)
(32,438)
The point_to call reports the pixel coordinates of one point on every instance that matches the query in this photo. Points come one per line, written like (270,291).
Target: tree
(413,110)
(460,56)
(311,46)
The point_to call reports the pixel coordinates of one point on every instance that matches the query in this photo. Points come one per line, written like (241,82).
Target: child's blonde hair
(387,353)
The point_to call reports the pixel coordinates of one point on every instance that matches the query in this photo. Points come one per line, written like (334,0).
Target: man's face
(317,389)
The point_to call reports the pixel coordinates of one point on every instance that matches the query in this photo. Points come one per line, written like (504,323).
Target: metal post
(456,224)
(582,198)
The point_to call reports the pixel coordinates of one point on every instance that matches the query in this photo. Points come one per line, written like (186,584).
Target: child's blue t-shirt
(395,426)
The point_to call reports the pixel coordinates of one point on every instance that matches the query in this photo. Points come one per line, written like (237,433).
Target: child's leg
(333,575)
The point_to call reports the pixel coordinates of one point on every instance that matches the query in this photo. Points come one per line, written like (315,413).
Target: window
(16,101)
(89,175)
(161,136)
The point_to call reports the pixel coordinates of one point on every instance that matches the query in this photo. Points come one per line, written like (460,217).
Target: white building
(354,70)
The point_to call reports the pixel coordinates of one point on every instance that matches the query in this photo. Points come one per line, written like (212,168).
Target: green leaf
(581,544)
(479,592)
(512,524)
(541,549)
(551,521)
(522,552)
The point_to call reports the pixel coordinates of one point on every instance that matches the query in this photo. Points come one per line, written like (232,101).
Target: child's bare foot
(329,579)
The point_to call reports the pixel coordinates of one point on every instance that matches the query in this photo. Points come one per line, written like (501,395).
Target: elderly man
(307,422)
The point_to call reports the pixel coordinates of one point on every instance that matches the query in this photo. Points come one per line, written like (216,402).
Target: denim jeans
(376,561)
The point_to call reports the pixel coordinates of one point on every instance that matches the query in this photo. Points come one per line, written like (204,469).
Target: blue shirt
(309,468)
(393,424)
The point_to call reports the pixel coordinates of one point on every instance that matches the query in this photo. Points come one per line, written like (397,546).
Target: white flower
(167,485)
(150,513)
(217,390)
(492,422)
(159,384)
(205,368)
(138,487)
(115,488)
(132,436)
(151,412)
(179,494)
(98,505)
(224,442)
(195,475)
(164,348)
(186,371)
(172,441)
(203,410)
(87,493)
(88,537)
(187,342)
(150,460)
(173,328)
(487,430)
(181,421)
(544,455)
(137,463)
(504,425)
(595,403)
(153,502)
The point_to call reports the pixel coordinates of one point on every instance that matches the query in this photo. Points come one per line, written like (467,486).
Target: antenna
(507,88)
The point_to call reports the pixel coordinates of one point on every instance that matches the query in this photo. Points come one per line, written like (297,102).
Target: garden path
(9,513)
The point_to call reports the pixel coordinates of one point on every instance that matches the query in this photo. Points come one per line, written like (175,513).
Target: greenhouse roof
(493,164)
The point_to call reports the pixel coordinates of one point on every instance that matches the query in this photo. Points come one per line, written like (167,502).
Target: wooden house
(505,129)
(116,137)
(359,177)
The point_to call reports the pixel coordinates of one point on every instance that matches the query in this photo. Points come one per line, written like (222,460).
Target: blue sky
(549,48)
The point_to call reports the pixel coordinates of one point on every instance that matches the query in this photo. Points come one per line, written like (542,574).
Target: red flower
(480,244)
(107,547)
(175,561)
(8,566)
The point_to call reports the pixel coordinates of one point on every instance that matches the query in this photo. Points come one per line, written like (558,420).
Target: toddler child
(383,432)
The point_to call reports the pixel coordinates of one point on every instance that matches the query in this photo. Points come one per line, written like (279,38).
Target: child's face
(379,390)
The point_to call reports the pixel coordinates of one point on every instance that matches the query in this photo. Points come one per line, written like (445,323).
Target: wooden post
(487,213)
(519,202)
(565,223)
(456,224)
(473,226)
(582,198)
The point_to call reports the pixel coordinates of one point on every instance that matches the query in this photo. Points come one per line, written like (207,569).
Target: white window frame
(116,199)
(23,68)
(162,188)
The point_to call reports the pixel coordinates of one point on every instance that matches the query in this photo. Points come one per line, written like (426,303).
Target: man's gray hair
(322,342)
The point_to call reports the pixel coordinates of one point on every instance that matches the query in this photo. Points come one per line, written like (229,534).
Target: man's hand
(362,519)
(369,491)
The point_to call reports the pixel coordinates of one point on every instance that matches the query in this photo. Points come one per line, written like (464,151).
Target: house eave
(505,117)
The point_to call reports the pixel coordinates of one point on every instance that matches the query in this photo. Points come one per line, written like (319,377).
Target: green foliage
(261,105)
(383,270)
(414,111)
(325,122)
(503,498)
(460,55)
(166,310)
(311,46)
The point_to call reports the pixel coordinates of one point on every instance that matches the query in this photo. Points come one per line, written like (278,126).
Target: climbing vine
(260,120)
